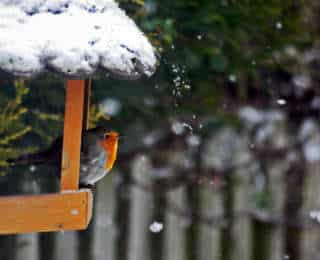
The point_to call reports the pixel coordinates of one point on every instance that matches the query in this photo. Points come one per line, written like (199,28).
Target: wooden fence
(237,194)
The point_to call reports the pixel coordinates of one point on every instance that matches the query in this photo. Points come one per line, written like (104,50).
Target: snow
(309,134)
(193,140)
(177,128)
(281,102)
(302,83)
(225,149)
(308,129)
(72,37)
(156,227)
(232,78)
(279,25)
(111,106)
(315,214)
(74,212)
(312,151)
(252,116)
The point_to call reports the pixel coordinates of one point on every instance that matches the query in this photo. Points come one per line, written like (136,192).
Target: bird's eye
(106,136)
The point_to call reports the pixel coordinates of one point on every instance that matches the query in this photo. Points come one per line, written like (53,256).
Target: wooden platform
(43,213)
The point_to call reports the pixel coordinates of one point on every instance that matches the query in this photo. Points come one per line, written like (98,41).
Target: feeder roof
(72,37)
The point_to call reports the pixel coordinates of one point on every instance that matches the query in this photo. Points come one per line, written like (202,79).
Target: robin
(98,154)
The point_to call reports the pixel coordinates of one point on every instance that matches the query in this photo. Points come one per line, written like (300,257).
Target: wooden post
(86,106)
(73,124)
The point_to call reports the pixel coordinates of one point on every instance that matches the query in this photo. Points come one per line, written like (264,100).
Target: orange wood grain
(43,213)
(73,124)
(86,107)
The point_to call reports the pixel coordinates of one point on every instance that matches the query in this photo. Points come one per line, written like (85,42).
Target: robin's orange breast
(99,159)
(110,145)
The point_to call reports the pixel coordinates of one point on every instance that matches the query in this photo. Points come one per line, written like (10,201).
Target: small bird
(99,150)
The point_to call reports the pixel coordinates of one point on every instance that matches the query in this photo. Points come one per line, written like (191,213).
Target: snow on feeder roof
(72,37)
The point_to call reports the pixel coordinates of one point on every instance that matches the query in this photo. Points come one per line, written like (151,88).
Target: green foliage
(137,2)
(46,107)
(30,116)
(207,48)
(12,127)
(214,44)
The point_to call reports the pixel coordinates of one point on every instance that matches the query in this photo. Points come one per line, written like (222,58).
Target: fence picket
(310,132)
(277,182)
(141,210)
(174,246)
(66,246)
(241,226)
(104,229)
(209,244)
(311,236)
(27,247)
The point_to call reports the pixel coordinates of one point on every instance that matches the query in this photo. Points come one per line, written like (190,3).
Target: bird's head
(110,144)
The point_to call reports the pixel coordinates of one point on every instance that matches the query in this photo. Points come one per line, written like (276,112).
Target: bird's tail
(28,159)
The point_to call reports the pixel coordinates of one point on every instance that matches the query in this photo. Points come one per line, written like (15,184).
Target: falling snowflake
(315,215)
(279,25)
(232,78)
(33,168)
(281,102)
(177,128)
(111,106)
(156,227)
(193,140)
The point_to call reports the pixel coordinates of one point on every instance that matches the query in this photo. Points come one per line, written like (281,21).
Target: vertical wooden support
(73,124)
(86,107)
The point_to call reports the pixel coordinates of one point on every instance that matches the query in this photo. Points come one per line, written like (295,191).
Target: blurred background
(222,150)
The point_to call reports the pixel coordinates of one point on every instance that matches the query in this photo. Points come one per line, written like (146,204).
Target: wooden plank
(43,213)
(73,123)
(86,107)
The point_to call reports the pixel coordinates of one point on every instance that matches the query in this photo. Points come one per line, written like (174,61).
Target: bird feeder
(107,40)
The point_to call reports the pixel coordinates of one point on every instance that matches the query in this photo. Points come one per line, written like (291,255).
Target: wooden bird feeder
(71,209)
(30,55)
